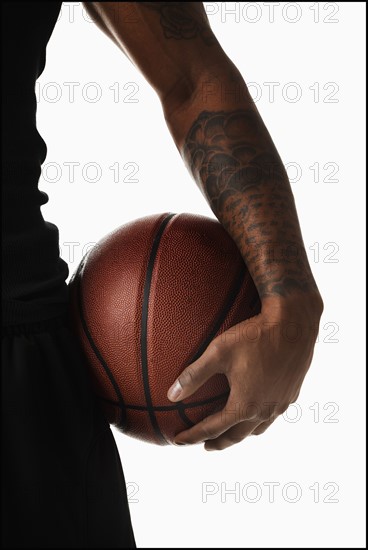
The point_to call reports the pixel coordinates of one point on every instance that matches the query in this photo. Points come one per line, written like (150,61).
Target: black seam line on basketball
(256,302)
(234,291)
(144,321)
(184,417)
(99,356)
(174,407)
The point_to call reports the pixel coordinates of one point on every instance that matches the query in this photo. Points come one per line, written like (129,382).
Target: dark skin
(231,156)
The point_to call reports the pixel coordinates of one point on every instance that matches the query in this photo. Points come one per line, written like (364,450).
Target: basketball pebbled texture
(145,302)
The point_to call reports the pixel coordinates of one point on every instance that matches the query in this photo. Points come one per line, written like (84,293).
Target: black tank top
(33,274)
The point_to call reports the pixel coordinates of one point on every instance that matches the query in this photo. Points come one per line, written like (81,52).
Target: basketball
(145,302)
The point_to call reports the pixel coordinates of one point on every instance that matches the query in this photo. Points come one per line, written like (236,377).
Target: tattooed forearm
(233,159)
(179,20)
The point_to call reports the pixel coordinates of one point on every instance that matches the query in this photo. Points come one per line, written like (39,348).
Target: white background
(313,55)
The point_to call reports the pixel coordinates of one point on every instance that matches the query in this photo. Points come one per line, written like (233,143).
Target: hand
(265,368)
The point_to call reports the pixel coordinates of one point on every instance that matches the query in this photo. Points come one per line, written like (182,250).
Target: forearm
(234,161)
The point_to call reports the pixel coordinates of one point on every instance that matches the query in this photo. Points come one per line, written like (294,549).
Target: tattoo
(180,21)
(232,157)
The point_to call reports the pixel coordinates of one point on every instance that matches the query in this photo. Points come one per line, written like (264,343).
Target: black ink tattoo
(232,157)
(181,22)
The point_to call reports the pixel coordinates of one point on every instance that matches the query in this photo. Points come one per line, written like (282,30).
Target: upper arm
(170,42)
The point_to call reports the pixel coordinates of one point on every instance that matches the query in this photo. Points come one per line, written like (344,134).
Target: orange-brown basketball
(145,302)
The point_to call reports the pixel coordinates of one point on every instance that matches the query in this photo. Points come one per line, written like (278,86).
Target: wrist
(297,305)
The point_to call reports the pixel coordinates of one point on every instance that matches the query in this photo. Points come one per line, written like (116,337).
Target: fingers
(261,428)
(235,411)
(236,421)
(236,434)
(210,427)
(196,374)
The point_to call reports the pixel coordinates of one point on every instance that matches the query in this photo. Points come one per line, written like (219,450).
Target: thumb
(195,375)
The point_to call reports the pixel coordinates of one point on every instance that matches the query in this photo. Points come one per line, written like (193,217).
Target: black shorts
(62,481)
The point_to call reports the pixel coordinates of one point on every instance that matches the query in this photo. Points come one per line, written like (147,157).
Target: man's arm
(228,150)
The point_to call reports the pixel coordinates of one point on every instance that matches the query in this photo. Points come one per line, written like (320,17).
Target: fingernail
(179,443)
(175,391)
